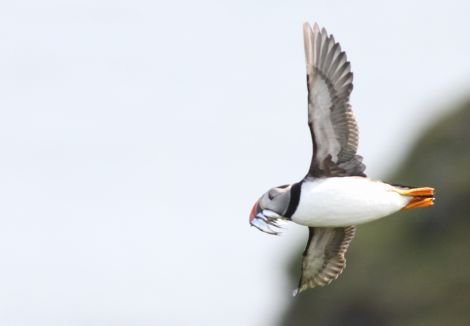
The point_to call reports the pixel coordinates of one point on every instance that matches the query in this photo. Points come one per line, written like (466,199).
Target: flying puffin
(335,195)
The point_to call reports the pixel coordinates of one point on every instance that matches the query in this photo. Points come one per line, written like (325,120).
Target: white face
(276,200)
(270,209)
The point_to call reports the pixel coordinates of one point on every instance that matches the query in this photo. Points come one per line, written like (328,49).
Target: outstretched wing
(332,125)
(323,258)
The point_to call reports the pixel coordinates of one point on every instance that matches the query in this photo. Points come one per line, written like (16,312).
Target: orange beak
(254,210)
(262,222)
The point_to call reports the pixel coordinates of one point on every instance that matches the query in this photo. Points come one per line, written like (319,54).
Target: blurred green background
(412,268)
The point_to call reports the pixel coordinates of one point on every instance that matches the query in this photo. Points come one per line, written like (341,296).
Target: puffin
(336,195)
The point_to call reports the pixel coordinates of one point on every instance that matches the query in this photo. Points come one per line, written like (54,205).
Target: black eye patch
(273,194)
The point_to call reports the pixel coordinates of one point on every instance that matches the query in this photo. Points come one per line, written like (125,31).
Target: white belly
(343,201)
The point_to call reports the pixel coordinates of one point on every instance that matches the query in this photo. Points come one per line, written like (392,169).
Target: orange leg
(417,202)
(416,192)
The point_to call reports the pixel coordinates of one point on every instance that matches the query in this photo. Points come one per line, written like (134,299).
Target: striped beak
(264,220)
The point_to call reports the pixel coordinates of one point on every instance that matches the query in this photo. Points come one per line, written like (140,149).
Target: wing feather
(332,124)
(324,256)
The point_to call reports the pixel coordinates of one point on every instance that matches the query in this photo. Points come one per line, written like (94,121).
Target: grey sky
(136,135)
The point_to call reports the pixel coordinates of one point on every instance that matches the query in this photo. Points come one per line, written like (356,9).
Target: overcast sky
(136,135)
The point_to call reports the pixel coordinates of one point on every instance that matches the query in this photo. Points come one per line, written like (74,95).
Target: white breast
(343,201)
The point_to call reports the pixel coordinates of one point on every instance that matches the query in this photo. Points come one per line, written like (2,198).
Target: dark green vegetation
(414,267)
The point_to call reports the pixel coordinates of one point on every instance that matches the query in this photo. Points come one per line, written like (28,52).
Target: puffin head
(271,208)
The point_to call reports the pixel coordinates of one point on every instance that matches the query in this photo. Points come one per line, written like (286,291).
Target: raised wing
(332,125)
(323,258)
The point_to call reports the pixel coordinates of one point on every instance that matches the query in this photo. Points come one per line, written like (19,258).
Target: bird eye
(272,194)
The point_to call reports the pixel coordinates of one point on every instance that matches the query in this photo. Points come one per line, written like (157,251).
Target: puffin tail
(420,197)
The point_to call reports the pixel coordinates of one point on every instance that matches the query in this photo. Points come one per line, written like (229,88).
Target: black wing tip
(334,261)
